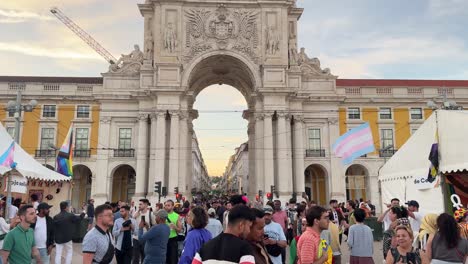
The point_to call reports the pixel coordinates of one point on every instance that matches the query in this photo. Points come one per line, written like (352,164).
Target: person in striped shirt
(308,246)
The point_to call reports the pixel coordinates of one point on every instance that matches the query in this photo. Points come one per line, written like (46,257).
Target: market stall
(405,175)
(32,177)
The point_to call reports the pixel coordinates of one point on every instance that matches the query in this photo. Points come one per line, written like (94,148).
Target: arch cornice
(253,69)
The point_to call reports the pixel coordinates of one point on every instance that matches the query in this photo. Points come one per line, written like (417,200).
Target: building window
(315,141)
(81,141)
(11,114)
(387,138)
(48,111)
(385,113)
(47,138)
(354,113)
(413,130)
(82,111)
(11,131)
(125,138)
(416,113)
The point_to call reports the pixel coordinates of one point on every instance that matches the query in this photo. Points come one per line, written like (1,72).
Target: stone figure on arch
(134,60)
(170,38)
(149,46)
(293,56)
(273,40)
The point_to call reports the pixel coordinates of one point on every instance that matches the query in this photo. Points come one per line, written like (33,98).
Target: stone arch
(193,84)
(123,183)
(357,181)
(82,180)
(316,179)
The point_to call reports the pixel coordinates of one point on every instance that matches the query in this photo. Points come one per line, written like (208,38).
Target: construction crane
(83,35)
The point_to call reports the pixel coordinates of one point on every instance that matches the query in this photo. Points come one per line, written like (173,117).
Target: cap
(43,206)
(211,211)
(413,203)
(267,209)
(161,214)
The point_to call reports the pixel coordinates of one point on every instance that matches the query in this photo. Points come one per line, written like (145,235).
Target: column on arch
(142,156)
(258,148)
(268,162)
(283,157)
(174,152)
(251,185)
(184,148)
(102,182)
(158,150)
(299,153)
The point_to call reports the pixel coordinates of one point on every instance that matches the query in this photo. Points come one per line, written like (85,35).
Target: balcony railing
(82,153)
(315,153)
(127,153)
(42,153)
(387,153)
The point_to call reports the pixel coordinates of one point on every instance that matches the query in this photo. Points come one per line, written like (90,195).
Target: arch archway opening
(223,89)
(82,180)
(123,183)
(357,177)
(316,186)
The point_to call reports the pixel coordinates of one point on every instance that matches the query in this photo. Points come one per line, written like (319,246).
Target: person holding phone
(144,215)
(404,252)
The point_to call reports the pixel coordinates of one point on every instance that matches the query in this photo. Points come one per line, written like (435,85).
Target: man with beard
(256,237)
(175,225)
(275,240)
(230,246)
(309,248)
(19,245)
(98,244)
(123,229)
(43,232)
(144,214)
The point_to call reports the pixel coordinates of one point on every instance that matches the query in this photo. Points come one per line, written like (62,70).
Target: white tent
(26,164)
(403,176)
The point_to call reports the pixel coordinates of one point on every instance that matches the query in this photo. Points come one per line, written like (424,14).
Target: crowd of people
(234,230)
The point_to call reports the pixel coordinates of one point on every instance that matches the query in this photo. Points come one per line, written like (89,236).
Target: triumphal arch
(248,44)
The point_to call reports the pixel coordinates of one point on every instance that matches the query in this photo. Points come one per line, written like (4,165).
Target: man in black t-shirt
(230,246)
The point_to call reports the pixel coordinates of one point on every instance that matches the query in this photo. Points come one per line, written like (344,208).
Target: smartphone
(265,236)
(143,218)
(411,258)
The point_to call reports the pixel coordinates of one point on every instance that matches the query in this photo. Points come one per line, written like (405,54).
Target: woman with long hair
(446,246)
(404,252)
(399,216)
(197,218)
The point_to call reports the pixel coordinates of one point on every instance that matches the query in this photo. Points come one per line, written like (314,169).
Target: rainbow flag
(7,157)
(354,143)
(65,156)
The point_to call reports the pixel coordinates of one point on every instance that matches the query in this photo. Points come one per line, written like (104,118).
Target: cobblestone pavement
(378,256)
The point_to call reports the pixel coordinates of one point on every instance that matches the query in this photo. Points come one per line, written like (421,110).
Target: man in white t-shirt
(415,217)
(275,240)
(143,214)
(43,236)
(385,218)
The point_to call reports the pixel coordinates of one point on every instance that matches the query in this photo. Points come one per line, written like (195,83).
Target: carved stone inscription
(221,29)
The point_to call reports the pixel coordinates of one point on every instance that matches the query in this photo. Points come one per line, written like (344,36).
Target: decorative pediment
(221,29)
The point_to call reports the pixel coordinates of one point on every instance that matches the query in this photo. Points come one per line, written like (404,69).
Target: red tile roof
(47,79)
(401,83)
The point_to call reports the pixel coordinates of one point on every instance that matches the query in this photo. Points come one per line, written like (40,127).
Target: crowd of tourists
(233,230)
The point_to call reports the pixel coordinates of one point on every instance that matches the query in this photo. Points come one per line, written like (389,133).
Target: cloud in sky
(21,16)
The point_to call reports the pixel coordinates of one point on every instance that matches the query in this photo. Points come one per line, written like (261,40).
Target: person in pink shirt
(281,217)
(308,244)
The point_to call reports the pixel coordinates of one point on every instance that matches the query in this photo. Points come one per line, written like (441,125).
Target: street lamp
(16,108)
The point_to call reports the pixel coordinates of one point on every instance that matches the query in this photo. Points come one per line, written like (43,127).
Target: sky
(399,39)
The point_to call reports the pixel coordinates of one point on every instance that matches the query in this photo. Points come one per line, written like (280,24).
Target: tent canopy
(403,176)
(27,165)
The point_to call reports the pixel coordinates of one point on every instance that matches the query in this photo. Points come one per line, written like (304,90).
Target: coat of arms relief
(221,29)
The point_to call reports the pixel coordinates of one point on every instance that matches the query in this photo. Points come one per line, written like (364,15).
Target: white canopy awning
(27,165)
(403,176)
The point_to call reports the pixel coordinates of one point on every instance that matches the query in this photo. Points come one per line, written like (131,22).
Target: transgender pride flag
(354,143)
(7,157)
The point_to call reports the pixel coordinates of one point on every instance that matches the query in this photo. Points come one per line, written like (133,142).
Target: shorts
(90,220)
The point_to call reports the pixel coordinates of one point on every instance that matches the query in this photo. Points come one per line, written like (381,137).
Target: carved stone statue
(130,63)
(313,64)
(170,38)
(149,46)
(293,56)
(273,40)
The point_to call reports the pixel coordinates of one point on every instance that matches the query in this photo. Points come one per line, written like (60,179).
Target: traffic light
(164,191)
(272,189)
(269,196)
(260,193)
(157,187)
(257,197)
(178,197)
(176,190)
